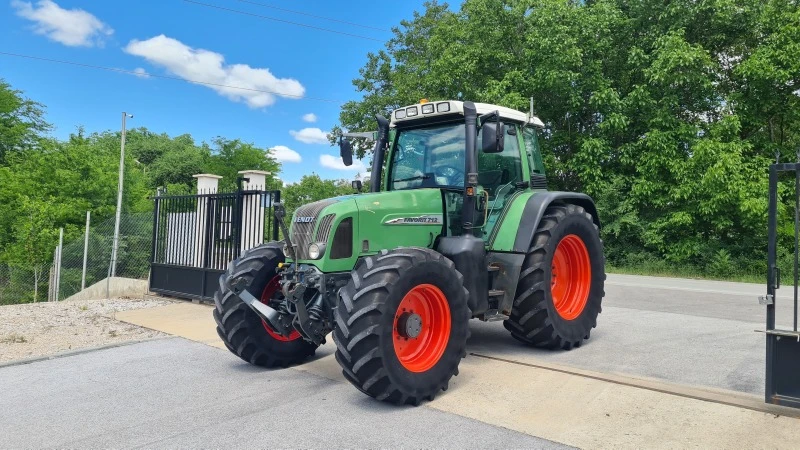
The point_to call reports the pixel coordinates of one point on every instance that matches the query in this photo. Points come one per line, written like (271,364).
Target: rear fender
(534,210)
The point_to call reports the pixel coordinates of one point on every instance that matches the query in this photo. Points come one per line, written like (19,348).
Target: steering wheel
(453,174)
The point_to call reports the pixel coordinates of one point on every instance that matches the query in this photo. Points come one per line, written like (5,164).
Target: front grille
(324,229)
(303,232)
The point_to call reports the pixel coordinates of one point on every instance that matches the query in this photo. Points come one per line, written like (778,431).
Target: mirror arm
(483,118)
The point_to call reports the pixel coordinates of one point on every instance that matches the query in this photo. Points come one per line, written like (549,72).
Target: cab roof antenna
(531,112)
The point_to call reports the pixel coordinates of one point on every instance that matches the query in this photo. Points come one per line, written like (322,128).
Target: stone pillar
(253,208)
(206,184)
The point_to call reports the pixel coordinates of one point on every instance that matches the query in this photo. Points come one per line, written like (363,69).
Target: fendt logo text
(419,220)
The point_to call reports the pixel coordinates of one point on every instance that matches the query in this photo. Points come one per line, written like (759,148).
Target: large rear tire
(561,284)
(244,333)
(401,325)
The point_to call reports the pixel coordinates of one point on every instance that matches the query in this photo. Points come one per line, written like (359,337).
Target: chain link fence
(19,284)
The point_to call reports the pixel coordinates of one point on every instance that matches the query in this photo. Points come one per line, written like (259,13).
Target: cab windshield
(430,157)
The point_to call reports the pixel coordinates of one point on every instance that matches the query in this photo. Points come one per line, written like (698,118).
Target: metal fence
(84,261)
(95,250)
(196,236)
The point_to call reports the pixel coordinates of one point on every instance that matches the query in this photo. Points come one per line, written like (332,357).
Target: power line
(167,77)
(282,21)
(264,5)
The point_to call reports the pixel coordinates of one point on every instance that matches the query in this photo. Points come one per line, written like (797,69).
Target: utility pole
(119,196)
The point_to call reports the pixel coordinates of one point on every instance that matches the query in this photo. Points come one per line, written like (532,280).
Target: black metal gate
(196,236)
(783,344)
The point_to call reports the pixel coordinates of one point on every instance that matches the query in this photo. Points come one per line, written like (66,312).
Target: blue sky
(188,40)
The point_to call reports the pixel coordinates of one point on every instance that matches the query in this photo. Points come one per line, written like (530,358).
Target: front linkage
(309,296)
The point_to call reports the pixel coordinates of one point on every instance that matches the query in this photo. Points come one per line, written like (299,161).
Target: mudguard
(534,210)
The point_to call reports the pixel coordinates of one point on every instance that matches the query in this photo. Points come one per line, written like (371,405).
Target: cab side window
(531,140)
(499,171)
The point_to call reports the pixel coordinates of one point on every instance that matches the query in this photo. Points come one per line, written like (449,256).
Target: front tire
(560,287)
(401,325)
(244,333)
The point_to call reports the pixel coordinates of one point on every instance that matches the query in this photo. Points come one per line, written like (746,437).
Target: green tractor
(459,226)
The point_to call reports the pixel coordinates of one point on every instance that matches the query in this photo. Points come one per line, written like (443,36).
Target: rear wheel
(560,287)
(402,325)
(244,333)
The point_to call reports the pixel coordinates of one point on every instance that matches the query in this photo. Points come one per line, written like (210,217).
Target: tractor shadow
(491,338)
(236,364)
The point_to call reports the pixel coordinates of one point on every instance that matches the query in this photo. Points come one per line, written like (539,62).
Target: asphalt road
(176,393)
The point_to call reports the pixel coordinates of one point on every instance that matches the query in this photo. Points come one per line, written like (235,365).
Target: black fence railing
(196,236)
(782,384)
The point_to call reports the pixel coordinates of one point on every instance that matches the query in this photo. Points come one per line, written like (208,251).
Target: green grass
(661,270)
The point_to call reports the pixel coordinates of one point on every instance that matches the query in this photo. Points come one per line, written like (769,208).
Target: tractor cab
(426,148)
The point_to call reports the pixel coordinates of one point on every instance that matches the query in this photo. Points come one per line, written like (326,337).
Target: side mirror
(346,152)
(357,185)
(492,137)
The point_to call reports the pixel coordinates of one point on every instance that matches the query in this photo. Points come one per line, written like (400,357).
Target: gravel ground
(43,329)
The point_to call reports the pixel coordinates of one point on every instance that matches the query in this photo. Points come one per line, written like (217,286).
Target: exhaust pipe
(265,312)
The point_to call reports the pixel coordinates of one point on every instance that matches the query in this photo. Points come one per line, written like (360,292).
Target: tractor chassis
(309,298)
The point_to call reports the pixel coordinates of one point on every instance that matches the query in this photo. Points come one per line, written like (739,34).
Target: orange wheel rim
(269,291)
(421,328)
(571,277)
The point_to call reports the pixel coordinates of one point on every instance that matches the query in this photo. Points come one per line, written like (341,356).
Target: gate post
(782,384)
(206,184)
(275,197)
(252,211)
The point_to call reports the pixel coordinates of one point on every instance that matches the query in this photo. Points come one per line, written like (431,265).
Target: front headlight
(316,250)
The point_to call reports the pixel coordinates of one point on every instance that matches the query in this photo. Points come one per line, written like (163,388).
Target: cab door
(501,177)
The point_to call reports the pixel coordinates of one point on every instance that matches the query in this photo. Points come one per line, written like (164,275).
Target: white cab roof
(457,107)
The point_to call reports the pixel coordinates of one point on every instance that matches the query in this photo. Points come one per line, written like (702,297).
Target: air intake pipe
(378,154)
(468,210)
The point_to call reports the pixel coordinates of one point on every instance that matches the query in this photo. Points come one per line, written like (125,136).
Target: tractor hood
(351,226)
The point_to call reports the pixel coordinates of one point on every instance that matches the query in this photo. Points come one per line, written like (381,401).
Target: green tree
(229,156)
(34,238)
(668,113)
(22,121)
(312,188)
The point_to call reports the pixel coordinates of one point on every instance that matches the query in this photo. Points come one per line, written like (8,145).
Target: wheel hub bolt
(409,325)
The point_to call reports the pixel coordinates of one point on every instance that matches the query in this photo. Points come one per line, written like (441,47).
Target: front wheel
(402,325)
(244,333)
(560,287)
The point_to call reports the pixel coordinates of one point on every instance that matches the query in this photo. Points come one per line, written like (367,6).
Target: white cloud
(310,117)
(72,27)
(310,136)
(141,73)
(283,153)
(209,67)
(334,162)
